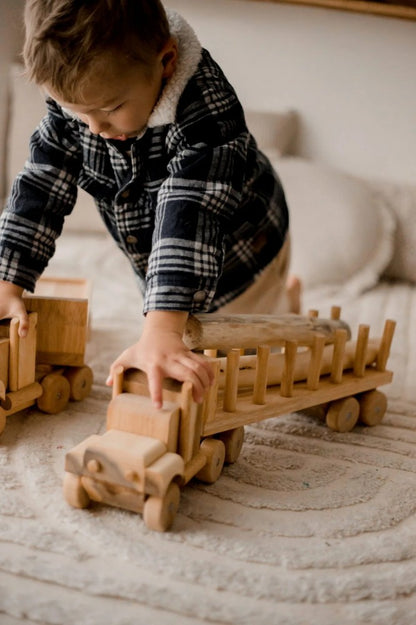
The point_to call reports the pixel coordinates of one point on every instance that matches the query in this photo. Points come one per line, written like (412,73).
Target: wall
(10,40)
(350,76)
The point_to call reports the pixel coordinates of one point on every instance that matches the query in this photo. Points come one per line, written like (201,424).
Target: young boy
(142,118)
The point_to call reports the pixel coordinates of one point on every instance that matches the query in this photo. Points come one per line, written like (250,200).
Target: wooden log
(215,331)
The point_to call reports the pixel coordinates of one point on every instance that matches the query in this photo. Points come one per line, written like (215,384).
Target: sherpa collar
(189,55)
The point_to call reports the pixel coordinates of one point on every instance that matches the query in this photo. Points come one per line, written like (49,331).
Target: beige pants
(267,295)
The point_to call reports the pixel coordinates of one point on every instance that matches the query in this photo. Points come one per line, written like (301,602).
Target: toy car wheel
(373,406)
(74,492)
(343,414)
(159,512)
(214,451)
(233,441)
(56,392)
(80,381)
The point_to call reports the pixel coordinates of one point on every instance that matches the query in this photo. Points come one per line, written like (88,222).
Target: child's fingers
(154,378)
(23,324)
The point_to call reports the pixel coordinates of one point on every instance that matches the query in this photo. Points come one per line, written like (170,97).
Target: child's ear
(169,56)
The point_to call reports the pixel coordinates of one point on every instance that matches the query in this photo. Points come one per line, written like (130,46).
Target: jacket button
(199,296)
(125,194)
(131,238)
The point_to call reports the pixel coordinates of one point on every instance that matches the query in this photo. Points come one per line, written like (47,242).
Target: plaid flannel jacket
(195,206)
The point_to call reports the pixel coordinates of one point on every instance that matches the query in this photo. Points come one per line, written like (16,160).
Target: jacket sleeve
(41,195)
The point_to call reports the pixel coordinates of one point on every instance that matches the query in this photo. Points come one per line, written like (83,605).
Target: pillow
(274,132)
(27,104)
(402,200)
(342,232)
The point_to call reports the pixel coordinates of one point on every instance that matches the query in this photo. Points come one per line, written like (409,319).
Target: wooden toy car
(46,368)
(146,455)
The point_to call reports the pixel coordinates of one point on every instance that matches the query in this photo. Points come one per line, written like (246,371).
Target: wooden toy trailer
(147,454)
(46,368)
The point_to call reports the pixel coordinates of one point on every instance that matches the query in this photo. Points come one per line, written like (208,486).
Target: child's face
(119,99)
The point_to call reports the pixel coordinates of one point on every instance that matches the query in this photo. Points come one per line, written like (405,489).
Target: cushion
(275,132)
(342,230)
(402,200)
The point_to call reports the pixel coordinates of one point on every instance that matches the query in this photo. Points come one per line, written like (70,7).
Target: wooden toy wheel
(74,492)
(80,381)
(373,406)
(343,414)
(233,441)
(56,392)
(159,512)
(214,451)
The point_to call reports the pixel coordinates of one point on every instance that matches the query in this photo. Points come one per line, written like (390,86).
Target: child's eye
(114,109)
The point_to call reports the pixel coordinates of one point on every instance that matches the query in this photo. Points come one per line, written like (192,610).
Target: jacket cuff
(14,269)
(172,297)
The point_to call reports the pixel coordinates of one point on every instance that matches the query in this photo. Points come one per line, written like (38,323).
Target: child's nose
(96,125)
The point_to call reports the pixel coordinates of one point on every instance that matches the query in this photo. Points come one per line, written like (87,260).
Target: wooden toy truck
(146,455)
(46,368)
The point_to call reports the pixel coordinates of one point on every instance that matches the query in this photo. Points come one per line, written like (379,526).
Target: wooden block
(137,415)
(115,495)
(335,312)
(22,399)
(231,380)
(118,381)
(361,350)
(210,403)
(260,382)
(385,344)
(338,356)
(4,361)
(116,456)
(22,360)
(286,387)
(61,287)
(301,399)
(315,365)
(62,329)
(160,474)
(190,424)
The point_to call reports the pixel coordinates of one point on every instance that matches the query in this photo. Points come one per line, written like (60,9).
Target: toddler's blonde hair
(64,38)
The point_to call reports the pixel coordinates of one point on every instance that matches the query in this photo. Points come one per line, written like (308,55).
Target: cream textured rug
(308,527)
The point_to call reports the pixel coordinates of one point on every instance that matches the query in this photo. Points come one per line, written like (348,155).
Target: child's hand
(11,305)
(161,353)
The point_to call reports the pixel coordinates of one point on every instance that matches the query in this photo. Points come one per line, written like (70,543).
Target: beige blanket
(309,526)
